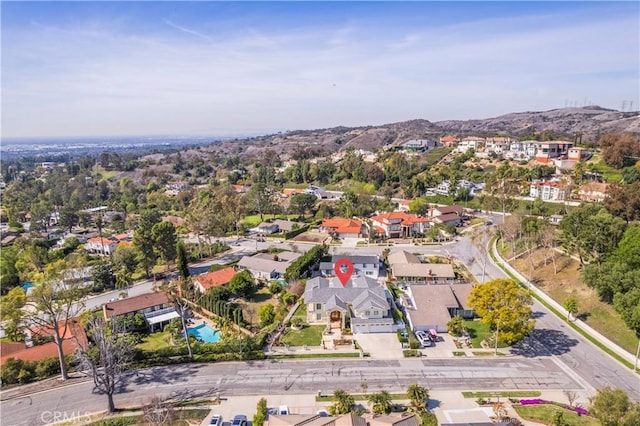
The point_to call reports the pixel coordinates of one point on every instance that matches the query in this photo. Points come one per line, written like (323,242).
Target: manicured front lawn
(154,341)
(543,413)
(310,335)
(478,331)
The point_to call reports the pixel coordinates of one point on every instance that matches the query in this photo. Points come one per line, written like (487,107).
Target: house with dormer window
(361,304)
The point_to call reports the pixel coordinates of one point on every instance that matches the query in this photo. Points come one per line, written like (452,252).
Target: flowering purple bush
(532,401)
(582,411)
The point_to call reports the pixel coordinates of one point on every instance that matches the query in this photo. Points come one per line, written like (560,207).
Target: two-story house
(400,224)
(368,266)
(98,245)
(550,190)
(343,228)
(360,304)
(156,308)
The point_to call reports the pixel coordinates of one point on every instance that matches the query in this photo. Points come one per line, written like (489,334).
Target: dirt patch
(311,237)
(567,282)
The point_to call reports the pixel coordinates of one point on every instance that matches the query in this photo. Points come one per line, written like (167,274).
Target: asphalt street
(200,381)
(554,357)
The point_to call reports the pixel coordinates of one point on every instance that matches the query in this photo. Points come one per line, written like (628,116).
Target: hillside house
(593,191)
(448,141)
(552,149)
(447,214)
(550,190)
(419,145)
(361,304)
(470,142)
(103,246)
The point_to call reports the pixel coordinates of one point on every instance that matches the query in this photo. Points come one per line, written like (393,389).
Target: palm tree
(380,402)
(342,402)
(418,396)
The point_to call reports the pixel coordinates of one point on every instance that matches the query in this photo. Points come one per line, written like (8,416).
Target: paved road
(266,378)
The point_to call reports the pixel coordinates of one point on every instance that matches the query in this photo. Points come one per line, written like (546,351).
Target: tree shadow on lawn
(544,342)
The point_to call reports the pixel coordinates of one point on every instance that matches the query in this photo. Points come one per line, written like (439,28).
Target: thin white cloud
(95,80)
(187,30)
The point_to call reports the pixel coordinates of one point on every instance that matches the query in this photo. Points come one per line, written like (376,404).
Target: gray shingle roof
(361,292)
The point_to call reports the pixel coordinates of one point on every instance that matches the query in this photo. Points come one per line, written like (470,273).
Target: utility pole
(635,367)
(497,333)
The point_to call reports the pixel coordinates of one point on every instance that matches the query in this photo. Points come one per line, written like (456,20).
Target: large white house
(361,304)
(368,266)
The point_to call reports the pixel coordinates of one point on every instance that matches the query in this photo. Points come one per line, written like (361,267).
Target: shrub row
(16,371)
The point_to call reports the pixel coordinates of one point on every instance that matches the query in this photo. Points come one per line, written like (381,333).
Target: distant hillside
(589,122)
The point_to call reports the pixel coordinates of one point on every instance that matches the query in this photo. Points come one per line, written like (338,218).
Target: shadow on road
(159,375)
(537,314)
(544,342)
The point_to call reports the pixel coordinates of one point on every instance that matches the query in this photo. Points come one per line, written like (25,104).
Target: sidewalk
(547,299)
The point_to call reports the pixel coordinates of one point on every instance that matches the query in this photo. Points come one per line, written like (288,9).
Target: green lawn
(505,394)
(478,331)
(310,335)
(155,341)
(543,413)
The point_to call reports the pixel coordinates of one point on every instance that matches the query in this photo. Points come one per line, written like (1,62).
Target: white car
(283,410)
(423,338)
(216,420)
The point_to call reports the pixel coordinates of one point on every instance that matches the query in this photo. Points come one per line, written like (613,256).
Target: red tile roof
(74,337)
(216,278)
(405,218)
(343,226)
(104,241)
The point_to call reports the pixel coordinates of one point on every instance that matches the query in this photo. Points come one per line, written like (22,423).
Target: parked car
(216,420)
(239,420)
(283,410)
(423,338)
(322,413)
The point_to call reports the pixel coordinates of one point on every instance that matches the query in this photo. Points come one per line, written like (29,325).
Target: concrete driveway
(380,345)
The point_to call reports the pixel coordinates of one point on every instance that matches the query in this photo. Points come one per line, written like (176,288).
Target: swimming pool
(205,333)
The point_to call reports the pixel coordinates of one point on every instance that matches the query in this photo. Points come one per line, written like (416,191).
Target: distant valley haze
(93,69)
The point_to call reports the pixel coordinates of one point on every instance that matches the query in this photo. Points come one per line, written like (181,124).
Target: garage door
(373,328)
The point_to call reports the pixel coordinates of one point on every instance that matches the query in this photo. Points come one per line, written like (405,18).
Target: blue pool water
(205,333)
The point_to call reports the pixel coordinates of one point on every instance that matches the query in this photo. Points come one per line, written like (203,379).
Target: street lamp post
(497,334)
(635,366)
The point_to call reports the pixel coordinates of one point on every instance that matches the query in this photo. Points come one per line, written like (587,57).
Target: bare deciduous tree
(571,396)
(52,305)
(158,413)
(106,361)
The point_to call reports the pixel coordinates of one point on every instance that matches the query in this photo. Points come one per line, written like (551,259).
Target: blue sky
(153,68)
